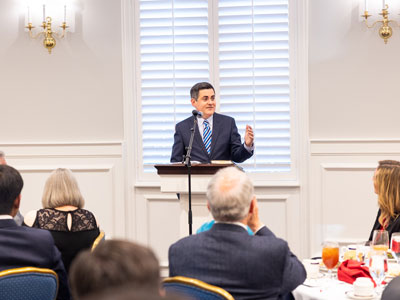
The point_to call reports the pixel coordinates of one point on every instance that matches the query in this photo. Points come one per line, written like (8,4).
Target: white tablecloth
(323,289)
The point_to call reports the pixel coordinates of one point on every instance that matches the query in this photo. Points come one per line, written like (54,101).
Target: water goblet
(377,262)
(380,240)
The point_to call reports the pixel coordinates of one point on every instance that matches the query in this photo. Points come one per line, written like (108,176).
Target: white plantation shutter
(174,56)
(254,76)
(251,61)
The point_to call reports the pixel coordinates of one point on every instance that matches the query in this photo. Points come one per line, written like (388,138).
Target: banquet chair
(194,289)
(28,283)
(98,240)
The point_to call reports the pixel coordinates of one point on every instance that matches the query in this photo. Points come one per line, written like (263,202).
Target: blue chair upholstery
(28,283)
(194,289)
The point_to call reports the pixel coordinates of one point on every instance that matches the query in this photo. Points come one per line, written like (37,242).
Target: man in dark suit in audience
(216,136)
(18,218)
(249,267)
(21,246)
(114,264)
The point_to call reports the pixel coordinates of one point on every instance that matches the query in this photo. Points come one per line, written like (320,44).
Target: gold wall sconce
(48,32)
(385,30)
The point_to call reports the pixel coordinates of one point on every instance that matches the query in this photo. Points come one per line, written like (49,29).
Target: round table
(324,289)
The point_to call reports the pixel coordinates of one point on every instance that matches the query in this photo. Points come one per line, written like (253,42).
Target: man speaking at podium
(216,137)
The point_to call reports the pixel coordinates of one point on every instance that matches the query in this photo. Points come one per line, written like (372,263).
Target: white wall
(353,74)
(353,109)
(73,94)
(66,109)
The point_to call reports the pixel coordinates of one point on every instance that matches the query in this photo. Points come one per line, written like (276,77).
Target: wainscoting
(97,166)
(343,204)
(140,211)
(340,204)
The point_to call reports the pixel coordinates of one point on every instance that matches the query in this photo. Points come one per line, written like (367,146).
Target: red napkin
(350,270)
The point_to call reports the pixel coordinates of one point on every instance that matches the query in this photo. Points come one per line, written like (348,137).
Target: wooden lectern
(174,179)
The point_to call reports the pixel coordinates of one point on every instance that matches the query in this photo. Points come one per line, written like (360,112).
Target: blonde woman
(387,187)
(72,227)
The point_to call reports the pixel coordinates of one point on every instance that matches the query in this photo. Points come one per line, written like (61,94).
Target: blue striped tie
(207,136)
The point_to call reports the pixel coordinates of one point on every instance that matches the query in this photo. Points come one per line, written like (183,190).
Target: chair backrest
(194,289)
(28,283)
(99,238)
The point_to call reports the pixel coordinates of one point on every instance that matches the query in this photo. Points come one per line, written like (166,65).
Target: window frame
(298,92)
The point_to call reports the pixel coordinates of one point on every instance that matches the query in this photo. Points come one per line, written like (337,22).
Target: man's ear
(208,206)
(17,202)
(193,101)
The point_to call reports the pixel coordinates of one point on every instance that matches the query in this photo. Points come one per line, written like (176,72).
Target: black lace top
(57,220)
(72,231)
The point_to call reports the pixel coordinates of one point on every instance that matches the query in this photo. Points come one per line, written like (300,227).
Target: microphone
(197,113)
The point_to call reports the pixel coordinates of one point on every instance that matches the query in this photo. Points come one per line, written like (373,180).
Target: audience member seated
(2,158)
(249,267)
(72,227)
(387,186)
(113,264)
(22,246)
(18,217)
(392,290)
(208,225)
(128,293)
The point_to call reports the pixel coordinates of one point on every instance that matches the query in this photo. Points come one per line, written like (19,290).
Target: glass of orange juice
(380,240)
(330,255)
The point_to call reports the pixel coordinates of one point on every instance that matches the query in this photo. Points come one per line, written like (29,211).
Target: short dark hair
(194,91)
(114,263)
(11,184)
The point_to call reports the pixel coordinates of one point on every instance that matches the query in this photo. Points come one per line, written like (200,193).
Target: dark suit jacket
(21,246)
(392,290)
(394,226)
(248,267)
(226,143)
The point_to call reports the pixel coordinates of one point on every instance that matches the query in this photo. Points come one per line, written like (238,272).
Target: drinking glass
(330,255)
(377,263)
(395,245)
(380,240)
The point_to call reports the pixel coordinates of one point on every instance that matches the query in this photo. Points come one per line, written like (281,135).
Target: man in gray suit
(249,267)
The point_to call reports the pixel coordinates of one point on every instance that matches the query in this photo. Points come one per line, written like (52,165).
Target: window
(241,47)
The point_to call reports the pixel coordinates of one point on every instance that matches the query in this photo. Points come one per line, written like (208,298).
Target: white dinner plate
(351,295)
(314,282)
(325,270)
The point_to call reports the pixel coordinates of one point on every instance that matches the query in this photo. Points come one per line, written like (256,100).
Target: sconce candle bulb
(29,14)
(385,31)
(49,41)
